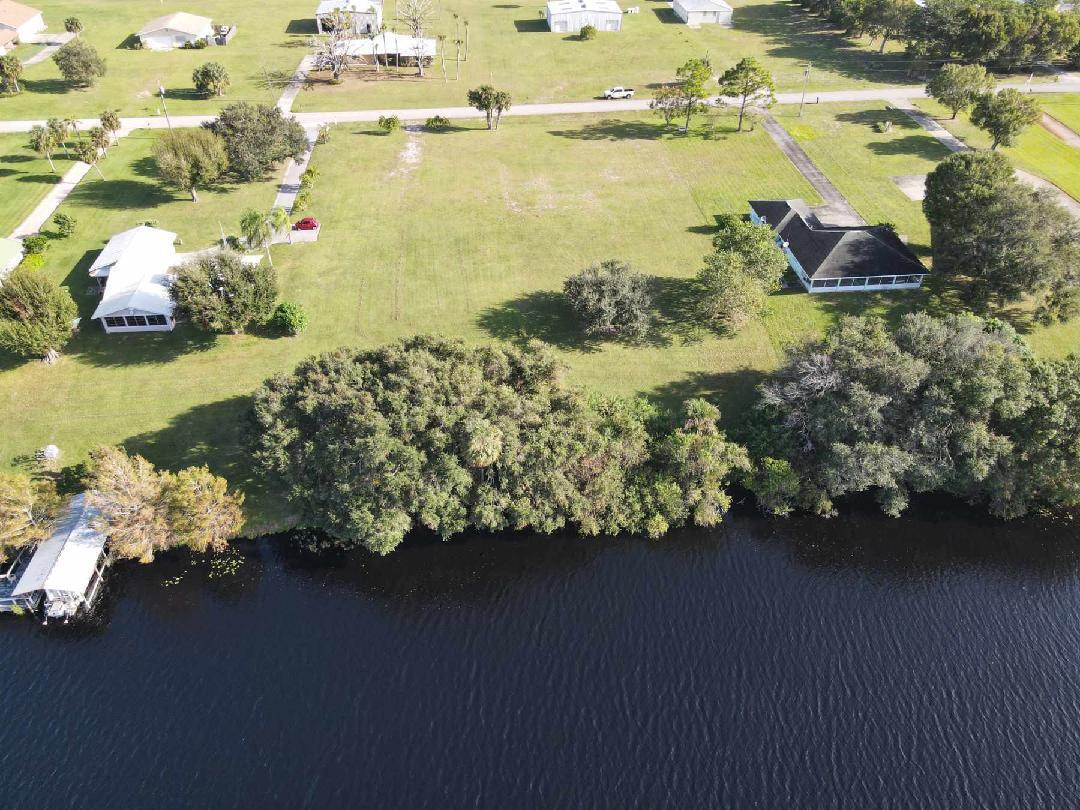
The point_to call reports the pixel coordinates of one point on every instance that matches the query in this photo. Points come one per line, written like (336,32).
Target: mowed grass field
(511,47)
(25,177)
(1065,108)
(1036,150)
(465,233)
(265,46)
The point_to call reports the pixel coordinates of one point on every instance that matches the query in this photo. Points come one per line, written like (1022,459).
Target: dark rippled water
(861,662)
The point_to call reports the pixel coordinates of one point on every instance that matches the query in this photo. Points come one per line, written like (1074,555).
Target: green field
(466,233)
(264,47)
(510,46)
(1036,150)
(25,178)
(1065,108)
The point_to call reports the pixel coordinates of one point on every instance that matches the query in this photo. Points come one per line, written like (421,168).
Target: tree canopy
(686,96)
(211,79)
(491,102)
(428,432)
(1004,115)
(611,300)
(959,86)
(221,293)
(257,137)
(36,314)
(744,267)
(957,405)
(750,83)
(79,63)
(190,159)
(28,506)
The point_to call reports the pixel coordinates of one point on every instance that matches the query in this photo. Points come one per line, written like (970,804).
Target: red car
(307,224)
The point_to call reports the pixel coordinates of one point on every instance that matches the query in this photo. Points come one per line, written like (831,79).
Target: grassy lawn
(511,47)
(465,233)
(1065,108)
(25,177)
(1036,150)
(272,37)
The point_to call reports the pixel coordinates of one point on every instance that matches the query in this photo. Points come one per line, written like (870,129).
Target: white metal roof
(136,264)
(180,21)
(66,561)
(389,43)
(570,6)
(704,5)
(327,7)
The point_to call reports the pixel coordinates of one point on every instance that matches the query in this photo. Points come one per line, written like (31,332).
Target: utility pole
(161,92)
(805,81)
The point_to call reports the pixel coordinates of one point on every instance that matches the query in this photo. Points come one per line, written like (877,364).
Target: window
(827,282)
(908,279)
(155,320)
(136,320)
(114,321)
(853,282)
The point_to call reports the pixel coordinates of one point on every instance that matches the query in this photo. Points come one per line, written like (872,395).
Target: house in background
(366,14)
(17,22)
(391,48)
(570,16)
(133,274)
(11,253)
(829,258)
(176,30)
(66,569)
(702,12)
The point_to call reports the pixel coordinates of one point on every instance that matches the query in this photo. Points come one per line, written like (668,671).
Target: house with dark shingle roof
(831,258)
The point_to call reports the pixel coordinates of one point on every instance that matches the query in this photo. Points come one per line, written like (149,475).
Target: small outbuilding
(389,47)
(830,258)
(66,569)
(703,12)
(366,15)
(570,16)
(177,30)
(11,253)
(133,274)
(17,22)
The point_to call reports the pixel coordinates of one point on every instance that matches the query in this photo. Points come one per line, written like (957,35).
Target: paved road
(562,108)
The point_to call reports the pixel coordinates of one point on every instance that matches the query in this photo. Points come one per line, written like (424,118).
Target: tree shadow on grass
(676,315)
(46,86)
(733,392)
(613,129)
(924,146)
(792,33)
(870,118)
(96,348)
(184,94)
(542,315)
(120,194)
(46,179)
(15,158)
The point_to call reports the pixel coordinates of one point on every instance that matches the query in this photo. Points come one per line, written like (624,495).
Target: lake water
(859,662)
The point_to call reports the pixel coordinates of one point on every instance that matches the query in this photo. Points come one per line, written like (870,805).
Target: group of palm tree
(56,134)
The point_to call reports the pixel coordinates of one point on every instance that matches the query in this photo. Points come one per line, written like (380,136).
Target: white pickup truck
(619,92)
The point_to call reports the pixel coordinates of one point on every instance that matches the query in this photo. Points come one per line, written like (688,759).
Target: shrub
(73,25)
(611,300)
(290,318)
(211,79)
(303,199)
(38,243)
(389,123)
(324,134)
(587,32)
(437,122)
(65,225)
(34,261)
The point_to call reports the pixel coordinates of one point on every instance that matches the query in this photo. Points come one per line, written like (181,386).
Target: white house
(366,14)
(133,273)
(23,21)
(176,30)
(11,253)
(699,12)
(831,258)
(67,568)
(570,16)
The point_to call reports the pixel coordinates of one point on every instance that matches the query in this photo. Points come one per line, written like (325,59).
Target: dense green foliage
(611,300)
(221,293)
(211,79)
(428,432)
(257,137)
(749,82)
(686,95)
(1004,115)
(491,102)
(143,510)
(28,506)
(79,63)
(73,25)
(744,267)
(11,70)
(36,314)
(290,318)
(587,32)
(190,159)
(956,405)
(35,244)
(1004,239)
(389,123)
(65,224)
(959,86)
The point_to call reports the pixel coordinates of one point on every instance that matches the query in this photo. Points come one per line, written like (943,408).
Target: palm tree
(371,34)
(457,61)
(260,229)
(99,138)
(43,142)
(11,70)
(60,132)
(442,54)
(466,40)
